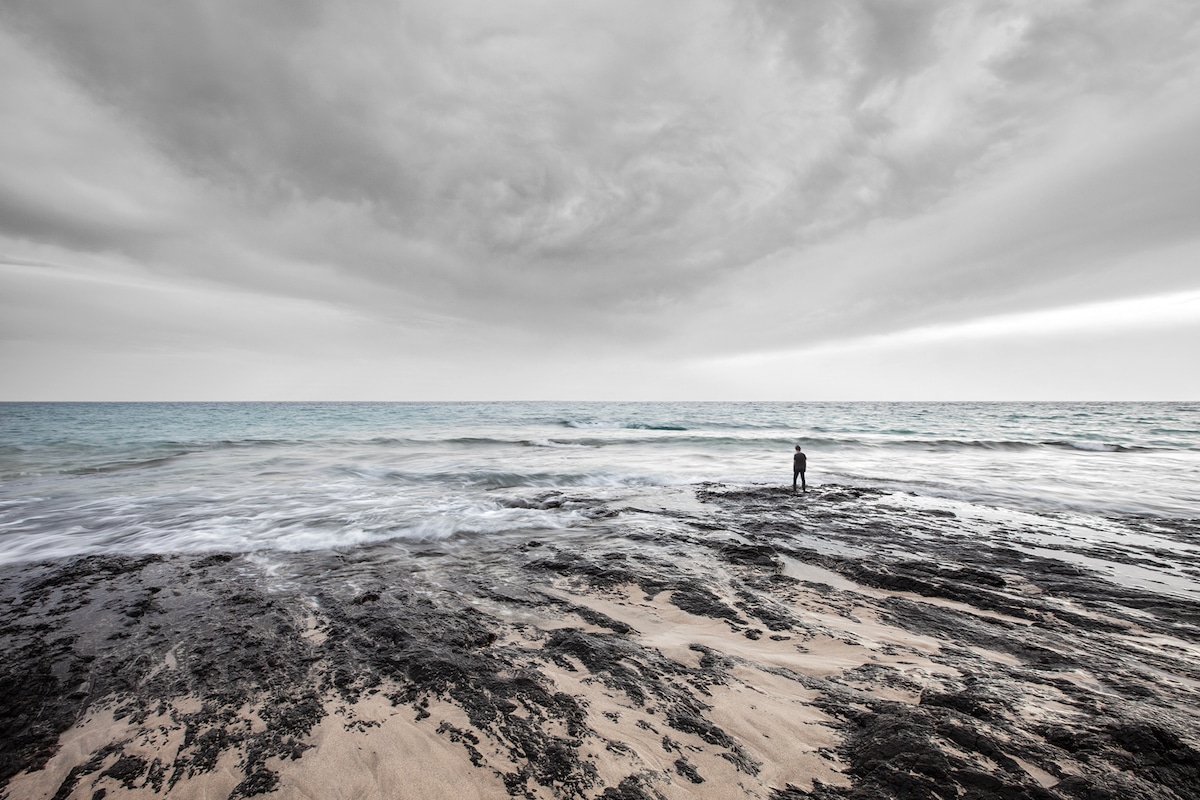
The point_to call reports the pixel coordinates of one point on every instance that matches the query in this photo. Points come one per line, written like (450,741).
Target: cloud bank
(472,199)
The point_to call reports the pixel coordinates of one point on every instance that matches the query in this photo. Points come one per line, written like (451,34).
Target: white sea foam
(1099,447)
(251,523)
(554,444)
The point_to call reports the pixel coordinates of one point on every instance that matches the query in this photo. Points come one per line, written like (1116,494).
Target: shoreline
(707,649)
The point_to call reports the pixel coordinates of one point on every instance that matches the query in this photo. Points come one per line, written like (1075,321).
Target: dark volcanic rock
(968,665)
(700,601)
(231,644)
(755,555)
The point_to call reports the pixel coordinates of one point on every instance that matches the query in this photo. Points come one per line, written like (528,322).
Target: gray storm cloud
(519,166)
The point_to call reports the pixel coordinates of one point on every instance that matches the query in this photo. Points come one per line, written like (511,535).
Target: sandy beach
(716,642)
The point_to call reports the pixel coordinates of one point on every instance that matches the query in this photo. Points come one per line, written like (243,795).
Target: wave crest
(630,426)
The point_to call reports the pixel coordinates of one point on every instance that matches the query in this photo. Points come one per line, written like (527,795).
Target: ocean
(137,478)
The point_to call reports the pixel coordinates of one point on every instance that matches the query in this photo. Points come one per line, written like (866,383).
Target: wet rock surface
(935,656)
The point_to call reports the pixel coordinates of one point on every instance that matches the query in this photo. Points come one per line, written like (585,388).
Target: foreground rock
(843,644)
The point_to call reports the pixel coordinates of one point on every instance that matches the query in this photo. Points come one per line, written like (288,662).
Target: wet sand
(720,642)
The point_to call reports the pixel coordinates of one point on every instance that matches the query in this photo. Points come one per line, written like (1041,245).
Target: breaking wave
(633,426)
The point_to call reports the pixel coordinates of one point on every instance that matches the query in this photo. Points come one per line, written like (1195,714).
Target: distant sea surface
(89,478)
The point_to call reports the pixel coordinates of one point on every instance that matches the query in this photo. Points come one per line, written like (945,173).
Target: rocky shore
(732,642)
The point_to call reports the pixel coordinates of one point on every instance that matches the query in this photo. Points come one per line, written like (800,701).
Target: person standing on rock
(799,462)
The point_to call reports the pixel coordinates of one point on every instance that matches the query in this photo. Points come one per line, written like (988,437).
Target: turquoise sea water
(163,477)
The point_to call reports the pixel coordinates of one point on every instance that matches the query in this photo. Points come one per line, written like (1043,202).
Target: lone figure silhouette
(799,462)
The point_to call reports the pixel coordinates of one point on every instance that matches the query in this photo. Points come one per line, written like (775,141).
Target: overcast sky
(702,199)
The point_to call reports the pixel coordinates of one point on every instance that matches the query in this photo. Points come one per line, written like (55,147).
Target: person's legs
(795,474)
(803,483)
